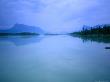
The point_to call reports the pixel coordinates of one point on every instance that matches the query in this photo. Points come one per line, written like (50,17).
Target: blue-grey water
(60,58)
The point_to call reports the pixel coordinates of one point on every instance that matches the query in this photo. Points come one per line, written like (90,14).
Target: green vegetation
(14,34)
(97,30)
(99,33)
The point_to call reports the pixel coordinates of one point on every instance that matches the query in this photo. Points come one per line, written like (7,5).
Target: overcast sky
(54,15)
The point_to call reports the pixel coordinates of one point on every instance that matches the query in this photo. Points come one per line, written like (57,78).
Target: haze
(54,15)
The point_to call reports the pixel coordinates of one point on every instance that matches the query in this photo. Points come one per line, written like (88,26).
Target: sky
(55,16)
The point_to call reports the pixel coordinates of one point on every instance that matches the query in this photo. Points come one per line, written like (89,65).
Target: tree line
(98,30)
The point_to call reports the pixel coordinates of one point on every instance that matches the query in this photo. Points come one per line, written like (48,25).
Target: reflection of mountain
(21,40)
(19,28)
(100,39)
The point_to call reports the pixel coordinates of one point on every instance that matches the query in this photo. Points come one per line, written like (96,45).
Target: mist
(55,16)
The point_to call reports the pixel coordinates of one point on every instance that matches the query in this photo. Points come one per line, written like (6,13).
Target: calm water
(60,58)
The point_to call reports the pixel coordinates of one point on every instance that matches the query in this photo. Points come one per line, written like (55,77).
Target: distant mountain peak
(18,28)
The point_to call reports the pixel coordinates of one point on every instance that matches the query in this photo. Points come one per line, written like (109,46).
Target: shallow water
(60,58)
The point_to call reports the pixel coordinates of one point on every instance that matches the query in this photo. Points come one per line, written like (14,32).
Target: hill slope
(21,28)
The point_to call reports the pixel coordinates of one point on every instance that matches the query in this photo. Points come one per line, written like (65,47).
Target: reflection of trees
(99,33)
(96,38)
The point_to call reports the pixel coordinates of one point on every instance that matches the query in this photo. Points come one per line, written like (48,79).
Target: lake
(54,58)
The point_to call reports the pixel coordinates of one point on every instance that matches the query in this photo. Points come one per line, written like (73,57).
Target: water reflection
(99,39)
(25,40)
(21,40)
(55,59)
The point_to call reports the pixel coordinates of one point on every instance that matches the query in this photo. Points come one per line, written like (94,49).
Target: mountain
(21,28)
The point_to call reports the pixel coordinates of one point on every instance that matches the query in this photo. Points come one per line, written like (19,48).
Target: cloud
(55,15)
